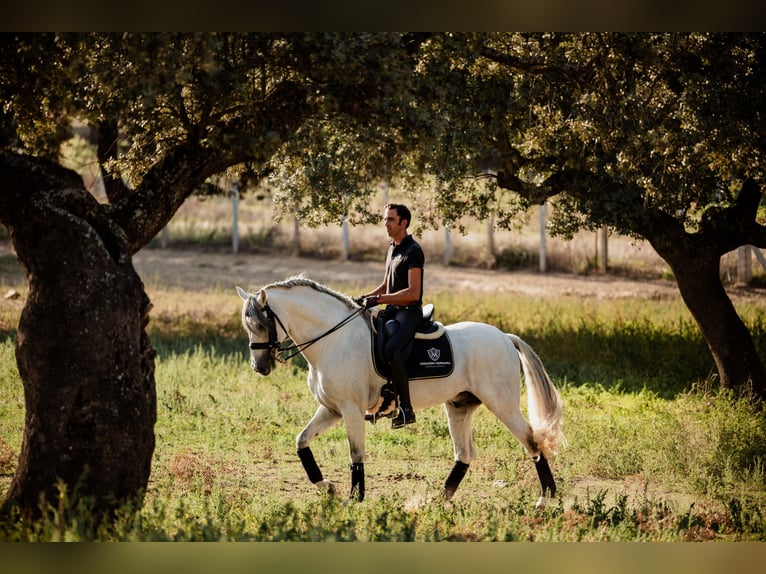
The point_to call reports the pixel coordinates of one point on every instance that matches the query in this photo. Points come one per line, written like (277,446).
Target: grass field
(655,452)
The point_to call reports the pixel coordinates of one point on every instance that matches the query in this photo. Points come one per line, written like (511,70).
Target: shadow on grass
(628,359)
(223,341)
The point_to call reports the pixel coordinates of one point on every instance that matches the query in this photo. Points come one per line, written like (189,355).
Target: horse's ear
(261,298)
(244,295)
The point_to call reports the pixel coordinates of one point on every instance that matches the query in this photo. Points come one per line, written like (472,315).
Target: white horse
(333,333)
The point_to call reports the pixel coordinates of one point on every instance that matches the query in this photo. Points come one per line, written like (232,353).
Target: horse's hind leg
(459,415)
(521,429)
(510,415)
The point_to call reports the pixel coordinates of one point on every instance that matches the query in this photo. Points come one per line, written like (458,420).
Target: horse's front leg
(323,420)
(353,417)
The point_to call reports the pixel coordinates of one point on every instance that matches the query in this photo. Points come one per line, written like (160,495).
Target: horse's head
(259,322)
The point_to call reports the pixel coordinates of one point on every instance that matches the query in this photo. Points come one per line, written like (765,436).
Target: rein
(276,346)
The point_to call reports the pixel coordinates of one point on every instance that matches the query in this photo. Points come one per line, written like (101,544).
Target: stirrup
(405,416)
(373,417)
(390,401)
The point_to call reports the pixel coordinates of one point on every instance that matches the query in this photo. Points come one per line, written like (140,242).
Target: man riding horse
(402,292)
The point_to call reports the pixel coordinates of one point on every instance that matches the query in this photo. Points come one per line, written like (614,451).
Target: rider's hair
(402,211)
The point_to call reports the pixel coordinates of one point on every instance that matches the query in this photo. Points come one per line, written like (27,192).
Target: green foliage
(653,135)
(611,124)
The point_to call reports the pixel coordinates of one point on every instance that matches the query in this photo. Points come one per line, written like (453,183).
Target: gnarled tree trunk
(83,354)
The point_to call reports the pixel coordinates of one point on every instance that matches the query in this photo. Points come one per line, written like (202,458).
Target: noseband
(273,343)
(276,347)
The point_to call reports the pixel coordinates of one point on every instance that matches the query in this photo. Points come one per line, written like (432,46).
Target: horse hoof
(541,502)
(326,486)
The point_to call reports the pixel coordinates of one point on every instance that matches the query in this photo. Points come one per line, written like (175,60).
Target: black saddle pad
(428,359)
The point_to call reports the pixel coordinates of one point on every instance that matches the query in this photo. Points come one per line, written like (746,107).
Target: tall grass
(656,451)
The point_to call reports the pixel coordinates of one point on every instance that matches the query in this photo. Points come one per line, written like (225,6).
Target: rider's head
(402,211)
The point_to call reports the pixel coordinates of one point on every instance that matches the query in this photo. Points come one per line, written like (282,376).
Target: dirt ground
(201,270)
(197,269)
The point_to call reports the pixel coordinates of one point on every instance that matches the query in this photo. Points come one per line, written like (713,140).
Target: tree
(171,111)
(658,136)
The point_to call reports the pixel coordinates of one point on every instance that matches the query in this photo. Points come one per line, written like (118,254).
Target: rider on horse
(402,292)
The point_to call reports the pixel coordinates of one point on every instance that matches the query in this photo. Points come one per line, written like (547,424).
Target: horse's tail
(544,402)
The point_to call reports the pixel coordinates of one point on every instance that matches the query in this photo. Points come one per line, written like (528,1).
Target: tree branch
(532,65)
(23,175)
(171,180)
(108,135)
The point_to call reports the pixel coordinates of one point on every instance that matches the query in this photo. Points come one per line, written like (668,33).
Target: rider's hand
(370,301)
(366,301)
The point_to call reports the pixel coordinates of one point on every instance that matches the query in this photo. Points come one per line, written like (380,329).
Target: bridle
(276,347)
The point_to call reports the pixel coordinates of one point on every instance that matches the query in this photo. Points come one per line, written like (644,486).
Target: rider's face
(394,224)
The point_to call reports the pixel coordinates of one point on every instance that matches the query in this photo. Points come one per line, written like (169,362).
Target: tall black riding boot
(406,415)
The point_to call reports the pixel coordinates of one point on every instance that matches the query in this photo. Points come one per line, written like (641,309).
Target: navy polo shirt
(399,260)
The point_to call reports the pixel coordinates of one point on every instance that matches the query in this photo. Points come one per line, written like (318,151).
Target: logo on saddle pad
(434,353)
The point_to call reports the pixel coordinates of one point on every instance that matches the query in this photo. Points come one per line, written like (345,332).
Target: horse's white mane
(301,280)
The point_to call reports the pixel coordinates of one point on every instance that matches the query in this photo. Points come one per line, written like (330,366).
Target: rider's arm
(380,289)
(406,296)
(377,291)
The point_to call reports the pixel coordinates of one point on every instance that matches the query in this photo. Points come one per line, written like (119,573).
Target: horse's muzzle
(261,367)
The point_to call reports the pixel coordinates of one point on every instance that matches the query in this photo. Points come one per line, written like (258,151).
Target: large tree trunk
(83,355)
(697,272)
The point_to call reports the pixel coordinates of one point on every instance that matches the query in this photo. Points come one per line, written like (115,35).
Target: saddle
(428,356)
(426,329)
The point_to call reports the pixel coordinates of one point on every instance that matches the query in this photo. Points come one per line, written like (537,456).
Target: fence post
(604,250)
(489,259)
(543,237)
(296,236)
(346,250)
(234,218)
(447,246)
